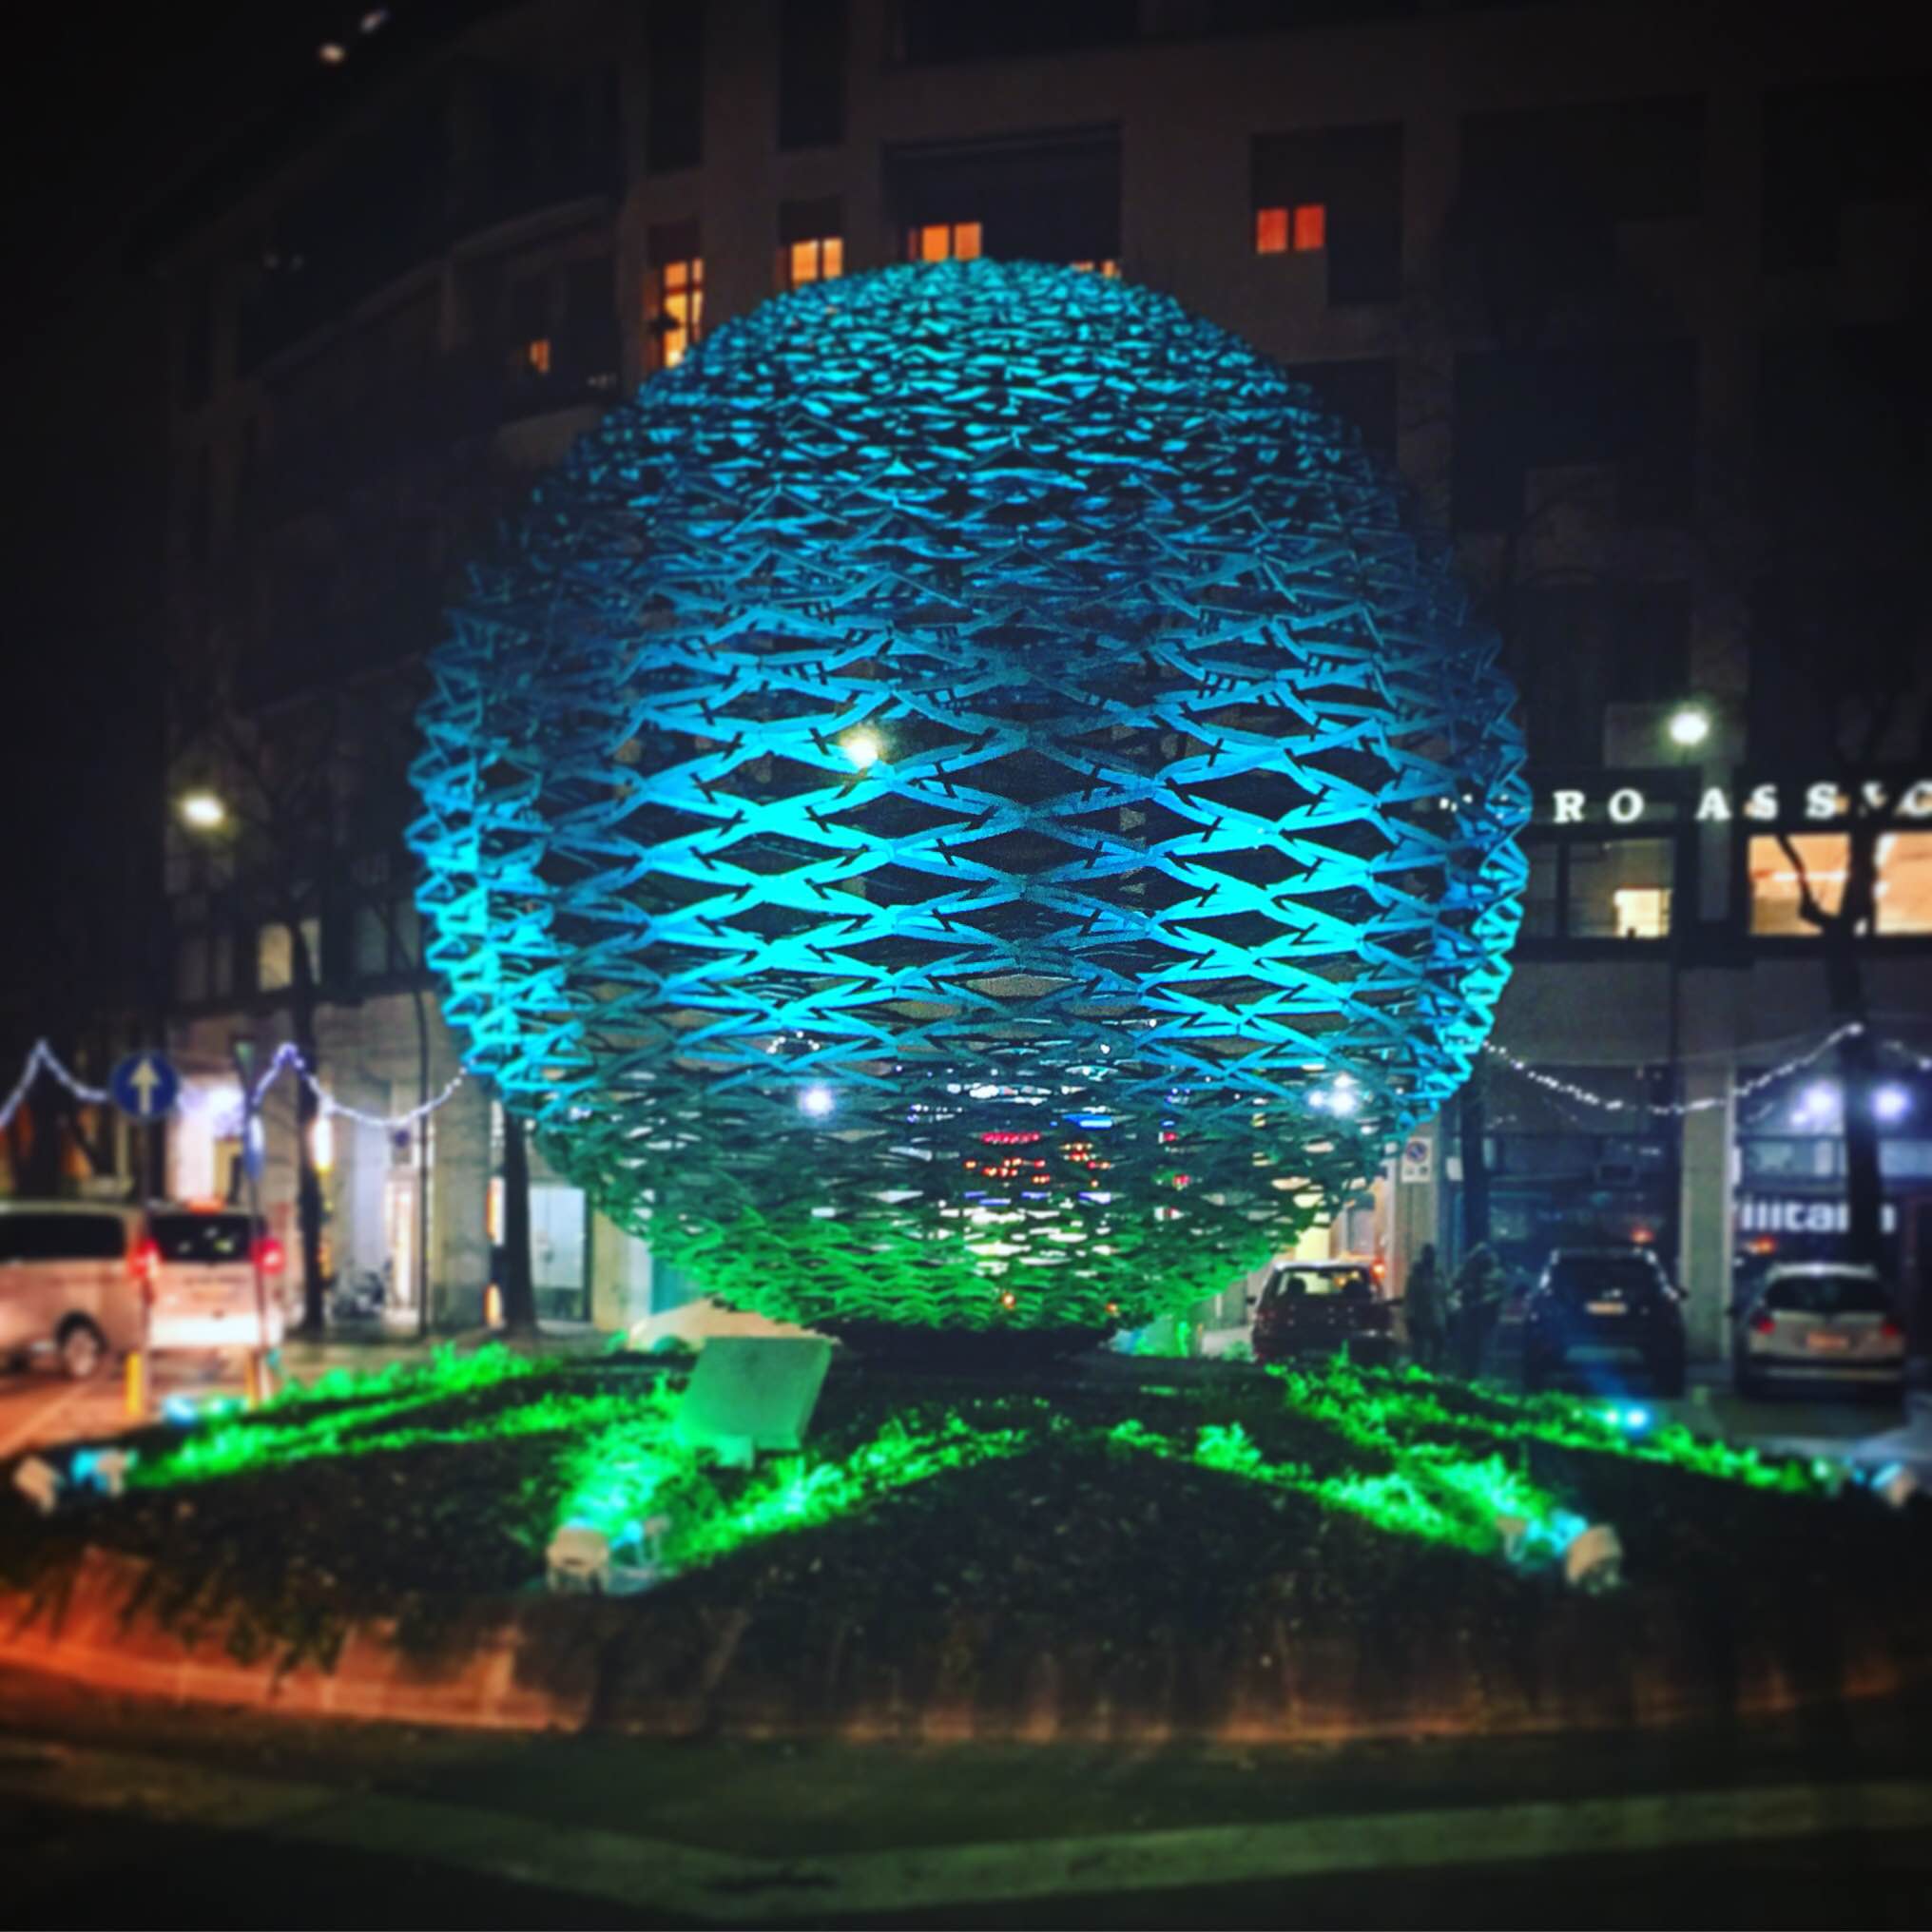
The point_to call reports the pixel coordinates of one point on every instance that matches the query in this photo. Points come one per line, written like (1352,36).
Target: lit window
(274,954)
(822,259)
(1109,269)
(1618,889)
(1300,230)
(536,353)
(1903,891)
(944,242)
(674,310)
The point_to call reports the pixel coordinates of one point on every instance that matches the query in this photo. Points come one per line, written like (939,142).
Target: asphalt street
(114,1813)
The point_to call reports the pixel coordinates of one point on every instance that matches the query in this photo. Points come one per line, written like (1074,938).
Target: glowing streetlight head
(1689,724)
(1891,1103)
(862,747)
(816,1102)
(203,810)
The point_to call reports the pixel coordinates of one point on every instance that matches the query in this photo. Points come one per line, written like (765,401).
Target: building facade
(1630,293)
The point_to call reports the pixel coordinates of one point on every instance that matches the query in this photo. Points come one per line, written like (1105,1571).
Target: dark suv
(1613,1298)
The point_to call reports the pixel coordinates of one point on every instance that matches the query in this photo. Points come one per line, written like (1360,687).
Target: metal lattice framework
(967,803)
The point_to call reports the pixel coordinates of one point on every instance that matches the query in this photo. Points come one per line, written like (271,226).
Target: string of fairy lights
(287,1059)
(1744,1090)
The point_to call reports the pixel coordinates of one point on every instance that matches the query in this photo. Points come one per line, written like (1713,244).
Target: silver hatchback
(1817,1321)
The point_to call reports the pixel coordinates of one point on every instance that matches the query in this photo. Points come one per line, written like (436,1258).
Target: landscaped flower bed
(1194,1530)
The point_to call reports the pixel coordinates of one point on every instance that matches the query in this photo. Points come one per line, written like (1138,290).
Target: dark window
(949,31)
(203,1238)
(1049,198)
(1341,187)
(1632,408)
(1844,424)
(1832,147)
(62,1237)
(1647,643)
(811,72)
(1362,394)
(1827,1294)
(1823,645)
(674,87)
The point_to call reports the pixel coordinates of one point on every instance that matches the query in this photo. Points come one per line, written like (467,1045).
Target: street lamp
(1689,725)
(203,809)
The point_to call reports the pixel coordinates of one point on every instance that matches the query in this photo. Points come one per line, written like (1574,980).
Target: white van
(71,1281)
(198,1265)
(88,1278)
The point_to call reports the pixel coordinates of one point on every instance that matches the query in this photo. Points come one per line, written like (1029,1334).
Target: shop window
(1616,888)
(944,242)
(674,296)
(1619,888)
(1903,891)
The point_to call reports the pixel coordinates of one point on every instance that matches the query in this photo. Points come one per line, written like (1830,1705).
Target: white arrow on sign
(145,1080)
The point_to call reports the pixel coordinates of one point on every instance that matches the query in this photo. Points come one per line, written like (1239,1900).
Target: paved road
(115,1814)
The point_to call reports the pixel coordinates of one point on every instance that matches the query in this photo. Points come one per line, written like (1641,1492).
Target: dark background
(110,117)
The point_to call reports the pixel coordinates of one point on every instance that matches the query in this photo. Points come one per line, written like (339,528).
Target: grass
(1354,1500)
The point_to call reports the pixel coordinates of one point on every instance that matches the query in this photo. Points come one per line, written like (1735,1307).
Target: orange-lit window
(944,242)
(1903,891)
(673,311)
(536,353)
(822,259)
(1300,230)
(1109,269)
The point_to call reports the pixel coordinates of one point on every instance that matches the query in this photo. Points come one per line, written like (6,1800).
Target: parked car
(1813,1322)
(88,1279)
(1320,1307)
(197,1267)
(1605,1301)
(69,1280)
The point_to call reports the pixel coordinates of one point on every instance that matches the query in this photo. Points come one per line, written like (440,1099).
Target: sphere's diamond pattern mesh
(966,803)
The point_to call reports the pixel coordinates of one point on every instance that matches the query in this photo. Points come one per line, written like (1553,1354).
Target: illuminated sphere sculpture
(968,803)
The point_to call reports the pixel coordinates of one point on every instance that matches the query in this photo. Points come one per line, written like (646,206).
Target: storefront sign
(1763,1214)
(1820,803)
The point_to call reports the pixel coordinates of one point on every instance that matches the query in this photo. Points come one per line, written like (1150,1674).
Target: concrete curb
(575,1663)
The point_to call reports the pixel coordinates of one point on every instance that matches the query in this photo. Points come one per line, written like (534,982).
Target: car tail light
(142,1264)
(1764,1324)
(268,1255)
(1891,1331)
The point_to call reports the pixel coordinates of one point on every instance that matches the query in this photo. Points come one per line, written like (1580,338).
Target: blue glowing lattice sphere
(967,803)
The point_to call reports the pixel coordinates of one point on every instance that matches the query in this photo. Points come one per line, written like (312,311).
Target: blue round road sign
(145,1086)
